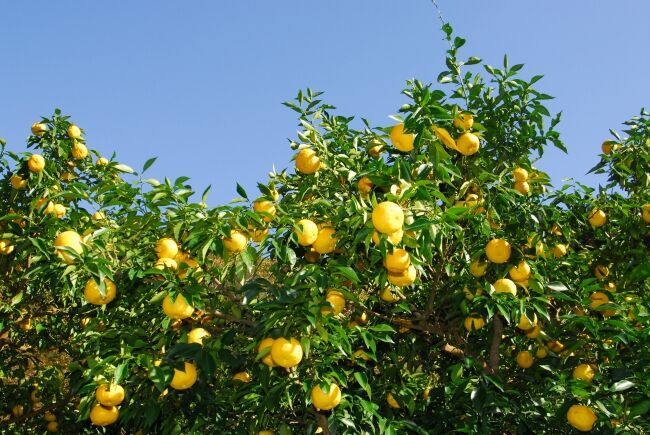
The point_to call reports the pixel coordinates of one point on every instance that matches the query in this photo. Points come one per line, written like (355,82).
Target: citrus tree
(421,277)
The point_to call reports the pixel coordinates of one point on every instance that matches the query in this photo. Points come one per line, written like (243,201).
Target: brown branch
(233,319)
(497,331)
(322,422)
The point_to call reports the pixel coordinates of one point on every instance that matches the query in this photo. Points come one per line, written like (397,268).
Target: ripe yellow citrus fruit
(364,185)
(397,261)
(391,401)
(265,432)
(98,216)
(478,268)
(403,279)
(52,426)
(645,213)
(401,140)
(597,218)
(178,308)
(387,295)
(109,394)
(504,285)
(472,323)
(6,247)
(183,380)
(17,182)
(325,400)
(601,272)
(103,415)
(583,372)
(307,162)
(534,332)
(469,295)
(376,148)
(39,129)
(394,238)
(258,236)
(266,209)
(443,136)
(79,151)
(541,352)
(102,161)
(520,272)
(464,121)
(93,294)
(286,353)
(337,302)
(581,417)
(266,343)
(242,377)
(236,242)
(387,217)
(325,241)
(525,323)
(468,144)
(74,132)
(36,163)
(166,248)
(18,410)
(166,263)
(498,251)
(306,231)
(520,174)
(197,335)
(559,250)
(522,187)
(525,359)
(608,146)
(68,239)
(555,346)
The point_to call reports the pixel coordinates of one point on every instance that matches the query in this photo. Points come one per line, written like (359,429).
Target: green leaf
(241,191)
(148,163)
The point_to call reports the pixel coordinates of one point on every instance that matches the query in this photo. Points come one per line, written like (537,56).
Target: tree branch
(497,332)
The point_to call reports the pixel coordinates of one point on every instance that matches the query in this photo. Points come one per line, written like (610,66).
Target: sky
(199,84)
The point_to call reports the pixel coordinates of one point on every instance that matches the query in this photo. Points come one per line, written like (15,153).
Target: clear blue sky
(199,83)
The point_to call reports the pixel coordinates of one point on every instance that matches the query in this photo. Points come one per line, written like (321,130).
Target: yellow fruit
(397,261)
(102,161)
(376,148)
(597,299)
(93,294)
(581,417)
(520,174)
(402,141)
(364,185)
(504,285)
(325,242)
(58,211)
(597,218)
(109,394)
(534,332)
(464,121)
(525,359)
(68,239)
(443,136)
(236,242)
(307,162)
(17,182)
(474,323)
(286,353)
(387,217)
(525,323)
(391,401)
(266,343)
(478,268)
(36,163)
(68,176)
(403,279)
(183,380)
(468,144)
(166,248)
(98,216)
(312,256)
(265,432)
(394,238)
(104,415)
(52,426)
(555,230)
(48,416)
(541,352)
(258,236)
(197,335)
(306,231)
(39,129)
(388,296)
(79,151)
(177,309)
(583,372)
(242,377)
(559,250)
(521,272)
(74,132)
(469,295)
(498,251)
(645,213)
(555,346)
(522,187)
(166,263)
(18,410)
(337,303)
(608,146)
(6,247)
(265,208)
(325,400)
(601,272)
